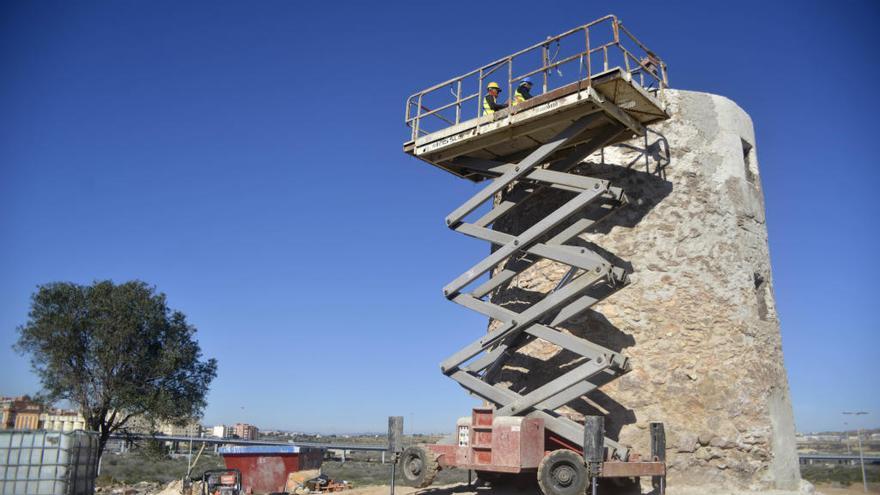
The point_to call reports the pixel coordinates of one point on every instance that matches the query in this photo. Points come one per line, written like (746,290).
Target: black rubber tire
(563,472)
(418,467)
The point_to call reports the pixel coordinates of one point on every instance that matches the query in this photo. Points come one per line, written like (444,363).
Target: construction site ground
(369,477)
(173,488)
(848,490)
(464,489)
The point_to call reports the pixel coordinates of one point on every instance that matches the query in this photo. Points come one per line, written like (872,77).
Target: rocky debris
(807,487)
(149,488)
(140,488)
(698,319)
(296,480)
(175,487)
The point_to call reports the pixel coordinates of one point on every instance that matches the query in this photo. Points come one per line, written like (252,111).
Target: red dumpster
(264,469)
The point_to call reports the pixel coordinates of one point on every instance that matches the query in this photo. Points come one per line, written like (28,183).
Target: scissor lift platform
(510,132)
(519,151)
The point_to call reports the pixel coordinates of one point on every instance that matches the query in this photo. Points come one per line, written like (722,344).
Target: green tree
(116,351)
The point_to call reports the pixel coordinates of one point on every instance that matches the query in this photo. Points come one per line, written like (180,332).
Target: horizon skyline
(208,425)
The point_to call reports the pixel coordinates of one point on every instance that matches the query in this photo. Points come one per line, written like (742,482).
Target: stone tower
(698,320)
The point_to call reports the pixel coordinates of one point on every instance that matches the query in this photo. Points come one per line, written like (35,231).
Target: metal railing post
(406,117)
(480,95)
(545,59)
(589,57)
(616,30)
(458,103)
(418,120)
(509,88)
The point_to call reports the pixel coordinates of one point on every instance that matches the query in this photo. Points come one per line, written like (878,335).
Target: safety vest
(518,97)
(487,108)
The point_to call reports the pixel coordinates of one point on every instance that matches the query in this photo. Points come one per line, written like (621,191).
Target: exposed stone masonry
(698,320)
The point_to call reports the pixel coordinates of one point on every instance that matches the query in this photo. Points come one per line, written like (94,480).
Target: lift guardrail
(594,48)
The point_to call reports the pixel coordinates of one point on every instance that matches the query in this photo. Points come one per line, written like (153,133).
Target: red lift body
(514,444)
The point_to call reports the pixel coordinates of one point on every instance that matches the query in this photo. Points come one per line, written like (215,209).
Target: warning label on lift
(445,142)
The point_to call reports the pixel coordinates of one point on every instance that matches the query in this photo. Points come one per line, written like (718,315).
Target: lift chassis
(520,152)
(496,447)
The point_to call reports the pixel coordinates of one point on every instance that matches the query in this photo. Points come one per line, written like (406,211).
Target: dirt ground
(463,489)
(855,489)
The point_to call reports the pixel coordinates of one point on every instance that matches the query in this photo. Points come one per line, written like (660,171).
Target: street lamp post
(859,438)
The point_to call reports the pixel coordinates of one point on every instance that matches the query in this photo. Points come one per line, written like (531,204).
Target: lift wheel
(563,472)
(418,466)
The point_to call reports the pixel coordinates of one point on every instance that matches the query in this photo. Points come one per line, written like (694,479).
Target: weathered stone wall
(698,320)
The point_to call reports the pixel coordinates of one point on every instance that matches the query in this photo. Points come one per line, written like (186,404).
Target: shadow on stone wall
(653,156)
(641,172)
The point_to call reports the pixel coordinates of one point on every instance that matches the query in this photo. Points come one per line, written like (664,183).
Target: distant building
(190,429)
(20,413)
(139,425)
(222,431)
(23,413)
(143,425)
(246,431)
(62,420)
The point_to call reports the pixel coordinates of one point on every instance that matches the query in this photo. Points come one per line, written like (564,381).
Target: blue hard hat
(526,80)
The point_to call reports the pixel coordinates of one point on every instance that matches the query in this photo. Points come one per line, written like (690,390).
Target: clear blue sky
(246,159)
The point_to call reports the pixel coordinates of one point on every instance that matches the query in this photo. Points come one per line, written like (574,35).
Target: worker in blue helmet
(523,91)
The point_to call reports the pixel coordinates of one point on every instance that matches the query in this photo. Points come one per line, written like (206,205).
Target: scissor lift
(519,152)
